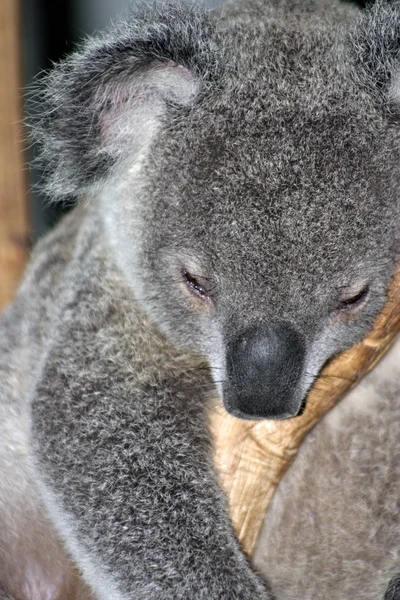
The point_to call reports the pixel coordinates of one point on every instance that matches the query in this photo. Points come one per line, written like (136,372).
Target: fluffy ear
(107,101)
(376,48)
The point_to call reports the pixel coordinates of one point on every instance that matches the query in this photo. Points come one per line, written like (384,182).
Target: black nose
(264,365)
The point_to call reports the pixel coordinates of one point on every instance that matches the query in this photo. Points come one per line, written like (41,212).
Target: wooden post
(14,228)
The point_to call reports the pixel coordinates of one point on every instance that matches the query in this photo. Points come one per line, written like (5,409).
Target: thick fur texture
(239,174)
(332,530)
(393,591)
(109,79)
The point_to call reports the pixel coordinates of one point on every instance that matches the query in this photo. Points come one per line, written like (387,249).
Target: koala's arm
(120,434)
(126,455)
(32,561)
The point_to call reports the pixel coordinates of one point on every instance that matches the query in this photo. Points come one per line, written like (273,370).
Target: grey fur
(255,151)
(393,590)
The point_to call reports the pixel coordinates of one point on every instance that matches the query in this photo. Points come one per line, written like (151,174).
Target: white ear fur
(131,111)
(107,101)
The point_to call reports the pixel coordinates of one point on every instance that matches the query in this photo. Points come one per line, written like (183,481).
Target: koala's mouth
(262,407)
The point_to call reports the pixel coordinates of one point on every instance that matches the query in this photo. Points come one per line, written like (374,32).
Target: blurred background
(49,30)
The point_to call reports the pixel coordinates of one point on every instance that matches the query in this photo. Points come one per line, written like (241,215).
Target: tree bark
(14,228)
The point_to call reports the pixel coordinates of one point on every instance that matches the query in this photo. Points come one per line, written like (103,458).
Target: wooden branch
(252,456)
(14,238)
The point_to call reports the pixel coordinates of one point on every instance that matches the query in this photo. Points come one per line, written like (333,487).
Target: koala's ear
(107,101)
(376,48)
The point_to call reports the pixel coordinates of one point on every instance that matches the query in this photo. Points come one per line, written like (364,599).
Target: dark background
(49,30)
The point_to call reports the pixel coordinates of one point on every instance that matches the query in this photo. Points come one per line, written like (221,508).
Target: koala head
(247,171)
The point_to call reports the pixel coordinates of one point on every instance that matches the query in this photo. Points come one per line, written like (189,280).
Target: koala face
(258,225)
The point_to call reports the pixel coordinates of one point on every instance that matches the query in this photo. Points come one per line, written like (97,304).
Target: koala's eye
(201,290)
(353,301)
(195,285)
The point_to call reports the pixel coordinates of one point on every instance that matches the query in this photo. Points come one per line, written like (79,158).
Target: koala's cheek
(264,368)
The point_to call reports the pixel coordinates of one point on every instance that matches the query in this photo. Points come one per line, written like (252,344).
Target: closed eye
(195,286)
(354,301)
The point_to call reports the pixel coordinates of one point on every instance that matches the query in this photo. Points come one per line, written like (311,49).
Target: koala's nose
(264,365)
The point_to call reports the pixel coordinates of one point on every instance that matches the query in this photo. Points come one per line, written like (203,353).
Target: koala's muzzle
(264,365)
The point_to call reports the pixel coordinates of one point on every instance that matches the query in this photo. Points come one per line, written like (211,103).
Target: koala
(332,529)
(236,179)
(393,591)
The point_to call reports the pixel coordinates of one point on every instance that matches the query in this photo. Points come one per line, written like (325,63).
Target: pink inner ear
(130,107)
(182,68)
(185,72)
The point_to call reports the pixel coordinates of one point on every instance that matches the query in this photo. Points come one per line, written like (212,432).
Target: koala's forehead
(249,210)
(290,155)
(311,175)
